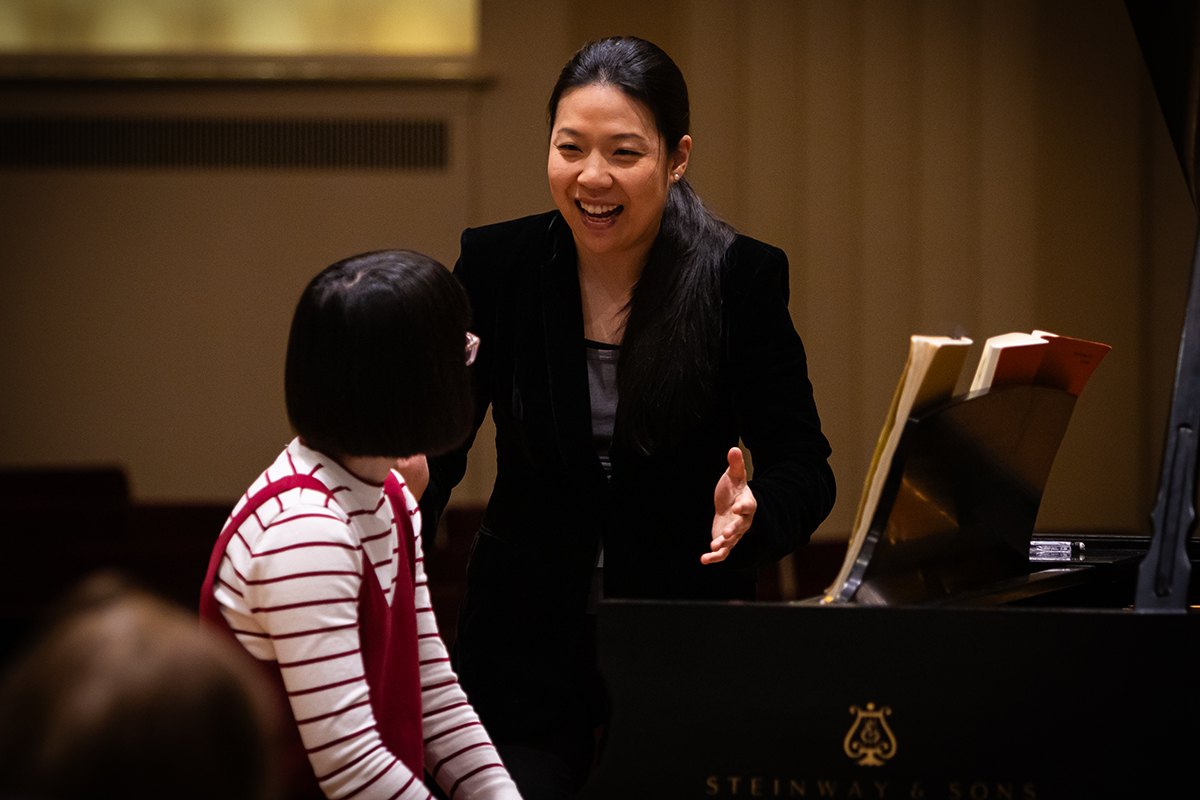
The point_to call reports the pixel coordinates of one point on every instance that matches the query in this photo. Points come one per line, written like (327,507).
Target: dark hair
(376,359)
(124,695)
(672,342)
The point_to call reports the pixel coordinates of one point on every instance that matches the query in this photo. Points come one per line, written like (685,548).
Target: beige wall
(933,167)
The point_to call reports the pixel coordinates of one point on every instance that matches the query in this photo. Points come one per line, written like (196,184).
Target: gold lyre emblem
(869,739)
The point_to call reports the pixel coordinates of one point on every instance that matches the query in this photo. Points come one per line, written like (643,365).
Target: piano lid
(1167,33)
(1168,36)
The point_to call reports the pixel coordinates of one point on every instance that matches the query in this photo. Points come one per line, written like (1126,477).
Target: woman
(319,571)
(629,340)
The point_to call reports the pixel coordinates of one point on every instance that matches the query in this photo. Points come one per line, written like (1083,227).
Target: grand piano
(979,662)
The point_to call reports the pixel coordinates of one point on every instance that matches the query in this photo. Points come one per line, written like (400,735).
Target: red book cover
(1068,362)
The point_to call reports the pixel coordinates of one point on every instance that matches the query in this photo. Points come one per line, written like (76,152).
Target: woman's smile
(599,216)
(594,210)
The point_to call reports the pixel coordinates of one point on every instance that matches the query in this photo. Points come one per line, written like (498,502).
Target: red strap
(208,604)
(395,494)
(391,656)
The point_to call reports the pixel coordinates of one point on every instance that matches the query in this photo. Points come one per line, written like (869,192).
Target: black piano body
(729,700)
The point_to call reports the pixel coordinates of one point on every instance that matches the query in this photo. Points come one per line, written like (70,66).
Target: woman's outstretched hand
(734,506)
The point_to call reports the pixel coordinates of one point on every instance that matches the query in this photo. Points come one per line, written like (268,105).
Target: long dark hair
(672,342)
(376,358)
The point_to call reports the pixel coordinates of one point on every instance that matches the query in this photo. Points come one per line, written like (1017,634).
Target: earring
(676,176)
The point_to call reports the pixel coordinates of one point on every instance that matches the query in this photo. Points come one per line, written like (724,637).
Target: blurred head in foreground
(125,696)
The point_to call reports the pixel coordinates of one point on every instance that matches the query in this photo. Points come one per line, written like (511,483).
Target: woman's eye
(626,153)
(568,148)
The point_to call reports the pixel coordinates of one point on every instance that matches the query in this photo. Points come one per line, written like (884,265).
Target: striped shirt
(288,586)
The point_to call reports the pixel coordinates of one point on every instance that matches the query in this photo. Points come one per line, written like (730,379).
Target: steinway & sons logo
(870,741)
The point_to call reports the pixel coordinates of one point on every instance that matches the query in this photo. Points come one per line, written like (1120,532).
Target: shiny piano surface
(985,676)
(774,700)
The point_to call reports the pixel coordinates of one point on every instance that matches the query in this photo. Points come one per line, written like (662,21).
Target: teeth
(591,209)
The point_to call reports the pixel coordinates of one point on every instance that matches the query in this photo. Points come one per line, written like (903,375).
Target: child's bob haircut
(376,358)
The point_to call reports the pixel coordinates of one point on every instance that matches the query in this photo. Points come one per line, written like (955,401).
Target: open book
(929,377)
(1040,358)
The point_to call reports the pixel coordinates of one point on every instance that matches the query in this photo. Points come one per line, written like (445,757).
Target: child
(124,697)
(318,572)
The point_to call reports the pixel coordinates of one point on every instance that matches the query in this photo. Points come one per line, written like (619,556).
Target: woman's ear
(679,158)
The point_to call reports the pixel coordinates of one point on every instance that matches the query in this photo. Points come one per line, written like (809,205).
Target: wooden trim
(199,68)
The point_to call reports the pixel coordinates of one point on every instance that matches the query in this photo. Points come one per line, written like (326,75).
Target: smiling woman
(609,172)
(629,340)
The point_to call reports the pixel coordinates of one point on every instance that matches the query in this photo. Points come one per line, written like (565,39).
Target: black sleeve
(776,414)
(446,471)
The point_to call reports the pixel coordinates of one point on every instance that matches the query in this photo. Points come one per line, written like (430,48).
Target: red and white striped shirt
(288,586)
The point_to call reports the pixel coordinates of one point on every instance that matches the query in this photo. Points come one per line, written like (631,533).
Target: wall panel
(929,166)
(151,304)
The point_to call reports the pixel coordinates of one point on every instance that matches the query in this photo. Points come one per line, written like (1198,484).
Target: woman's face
(609,171)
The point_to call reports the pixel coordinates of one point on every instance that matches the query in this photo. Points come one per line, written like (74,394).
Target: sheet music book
(1040,358)
(929,377)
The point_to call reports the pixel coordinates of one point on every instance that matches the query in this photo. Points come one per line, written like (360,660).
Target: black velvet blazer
(552,507)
